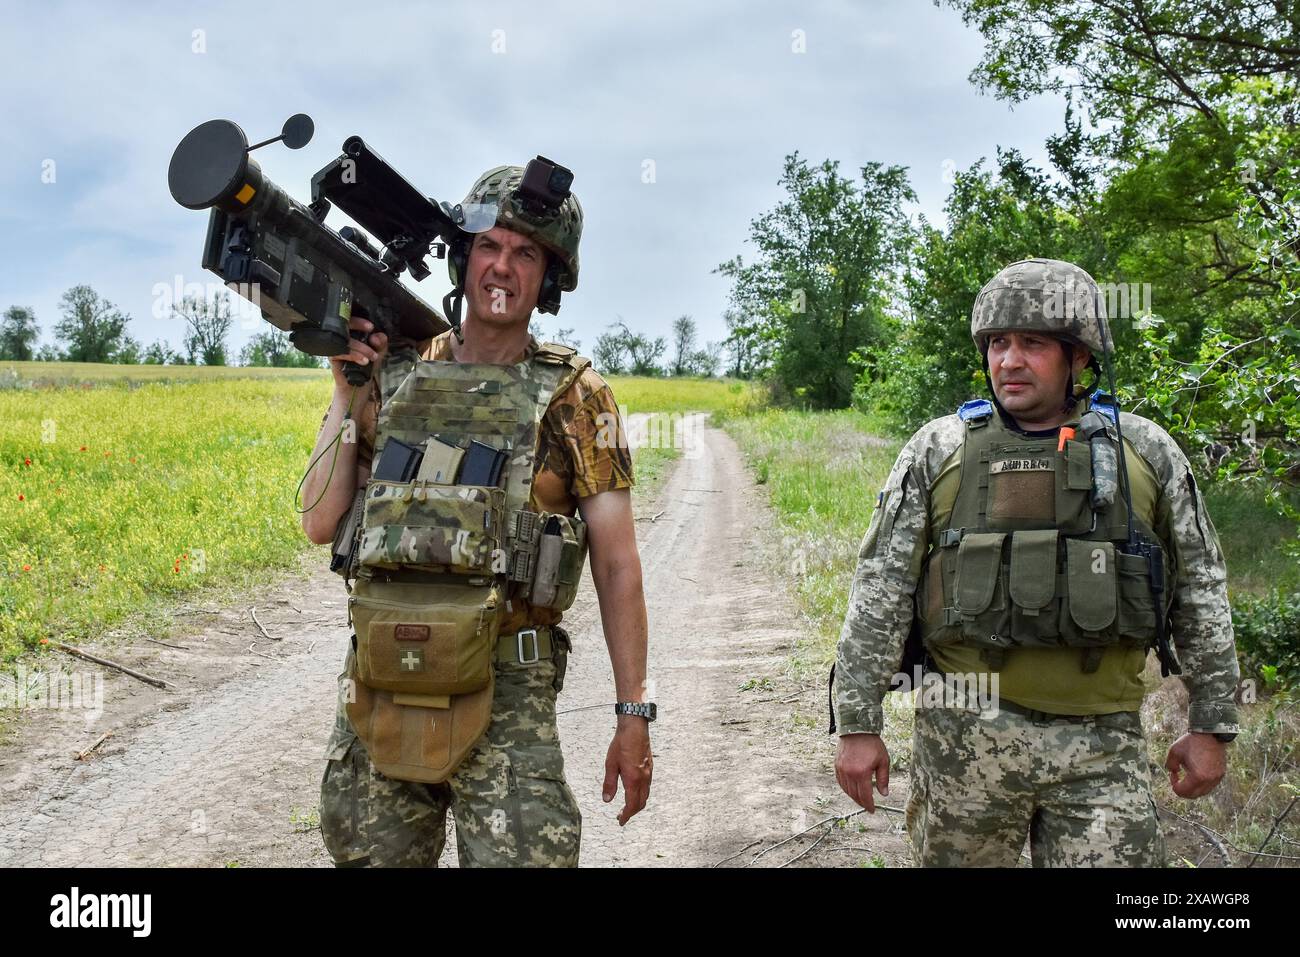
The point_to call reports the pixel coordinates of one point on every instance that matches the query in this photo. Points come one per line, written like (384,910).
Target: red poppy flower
(83,448)
(27,461)
(27,568)
(20,496)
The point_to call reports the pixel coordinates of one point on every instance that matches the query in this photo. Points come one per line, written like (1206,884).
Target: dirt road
(224,767)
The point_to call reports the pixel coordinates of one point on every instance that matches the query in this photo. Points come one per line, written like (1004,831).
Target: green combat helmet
(534,201)
(1043,295)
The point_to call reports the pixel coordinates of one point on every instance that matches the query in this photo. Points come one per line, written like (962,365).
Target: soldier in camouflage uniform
(1058,754)
(509,798)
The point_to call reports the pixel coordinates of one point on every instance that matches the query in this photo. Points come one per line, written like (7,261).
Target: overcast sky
(715,95)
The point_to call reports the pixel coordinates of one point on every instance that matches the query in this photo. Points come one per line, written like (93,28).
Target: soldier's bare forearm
(622,613)
(319,522)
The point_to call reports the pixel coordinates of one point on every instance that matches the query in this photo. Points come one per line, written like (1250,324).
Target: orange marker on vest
(1066,435)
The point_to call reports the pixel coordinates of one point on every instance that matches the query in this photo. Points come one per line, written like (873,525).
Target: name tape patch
(1021,465)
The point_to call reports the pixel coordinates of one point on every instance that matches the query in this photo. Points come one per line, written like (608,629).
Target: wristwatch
(642,709)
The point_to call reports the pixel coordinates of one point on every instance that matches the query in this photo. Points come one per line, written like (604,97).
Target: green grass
(138,494)
(1251,532)
(642,394)
(27,375)
(122,488)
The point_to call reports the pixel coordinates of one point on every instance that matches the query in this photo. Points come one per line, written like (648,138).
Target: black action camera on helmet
(545,186)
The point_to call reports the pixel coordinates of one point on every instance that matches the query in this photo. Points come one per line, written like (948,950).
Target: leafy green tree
(609,355)
(684,335)
(160,354)
(208,322)
(643,353)
(128,351)
(273,348)
(93,328)
(825,272)
(18,334)
(750,341)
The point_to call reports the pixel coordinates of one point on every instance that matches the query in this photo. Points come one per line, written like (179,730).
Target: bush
(1268,637)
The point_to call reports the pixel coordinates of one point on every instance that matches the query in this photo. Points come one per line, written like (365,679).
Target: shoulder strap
(555,354)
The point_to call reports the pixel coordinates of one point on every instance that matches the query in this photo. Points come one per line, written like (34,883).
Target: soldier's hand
(1201,758)
(629,758)
(370,352)
(859,758)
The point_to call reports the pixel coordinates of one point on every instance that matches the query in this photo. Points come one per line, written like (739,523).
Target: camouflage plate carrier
(437,564)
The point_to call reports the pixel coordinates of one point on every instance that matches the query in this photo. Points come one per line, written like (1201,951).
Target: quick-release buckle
(519,641)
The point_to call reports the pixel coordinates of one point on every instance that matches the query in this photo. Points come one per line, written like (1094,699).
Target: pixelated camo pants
(510,802)
(1080,790)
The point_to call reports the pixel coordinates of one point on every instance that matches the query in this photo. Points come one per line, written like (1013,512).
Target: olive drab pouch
(414,738)
(430,639)
(438,557)
(1093,591)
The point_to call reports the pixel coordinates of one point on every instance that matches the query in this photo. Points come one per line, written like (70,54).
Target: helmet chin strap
(451,304)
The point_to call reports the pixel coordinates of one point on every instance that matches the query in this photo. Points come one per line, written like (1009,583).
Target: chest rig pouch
(1034,552)
(437,560)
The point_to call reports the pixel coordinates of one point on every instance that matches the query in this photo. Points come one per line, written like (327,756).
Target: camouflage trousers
(1080,789)
(509,799)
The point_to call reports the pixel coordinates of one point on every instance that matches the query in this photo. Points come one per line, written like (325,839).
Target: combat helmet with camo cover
(559,232)
(1042,295)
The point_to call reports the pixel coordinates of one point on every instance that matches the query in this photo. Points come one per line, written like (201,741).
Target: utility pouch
(1091,577)
(424,741)
(425,638)
(1137,605)
(549,552)
(434,528)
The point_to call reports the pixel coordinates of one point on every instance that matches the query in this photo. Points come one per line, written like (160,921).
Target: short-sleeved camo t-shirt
(571,464)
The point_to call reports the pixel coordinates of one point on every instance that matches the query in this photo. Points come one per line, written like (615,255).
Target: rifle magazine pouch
(419,638)
(422,741)
(436,528)
(977,587)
